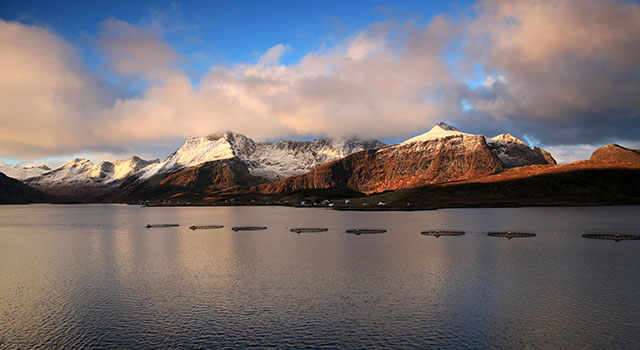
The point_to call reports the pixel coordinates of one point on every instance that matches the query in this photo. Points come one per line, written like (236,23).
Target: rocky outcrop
(512,152)
(616,154)
(545,155)
(443,154)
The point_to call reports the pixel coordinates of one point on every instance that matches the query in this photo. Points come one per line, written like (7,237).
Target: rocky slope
(443,154)
(579,183)
(196,181)
(514,153)
(12,191)
(616,154)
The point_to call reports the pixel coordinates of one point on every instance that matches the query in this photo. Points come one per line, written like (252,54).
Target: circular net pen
(309,229)
(511,234)
(612,236)
(366,231)
(438,233)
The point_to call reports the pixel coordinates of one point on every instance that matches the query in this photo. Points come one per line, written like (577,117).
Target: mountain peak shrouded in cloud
(564,72)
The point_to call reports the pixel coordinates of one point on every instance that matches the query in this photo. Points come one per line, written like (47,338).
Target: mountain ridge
(442,154)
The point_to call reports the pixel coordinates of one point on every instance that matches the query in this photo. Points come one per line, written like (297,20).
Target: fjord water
(83,276)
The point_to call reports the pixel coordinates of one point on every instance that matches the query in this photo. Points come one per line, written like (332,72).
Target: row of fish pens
(435,233)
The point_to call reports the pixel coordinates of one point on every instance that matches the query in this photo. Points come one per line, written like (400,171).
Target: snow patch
(506,138)
(438,131)
(22,173)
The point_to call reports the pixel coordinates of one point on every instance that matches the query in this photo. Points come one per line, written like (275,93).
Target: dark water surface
(91,276)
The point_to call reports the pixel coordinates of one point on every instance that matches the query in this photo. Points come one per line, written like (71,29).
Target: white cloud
(272,56)
(46,94)
(132,50)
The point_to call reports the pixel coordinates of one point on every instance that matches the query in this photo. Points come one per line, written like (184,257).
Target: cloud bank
(562,72)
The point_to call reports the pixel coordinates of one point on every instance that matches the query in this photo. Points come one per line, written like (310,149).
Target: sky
(107,80)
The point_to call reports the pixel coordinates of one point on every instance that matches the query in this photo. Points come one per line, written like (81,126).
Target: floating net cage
(511,234)
(438,233)
(612,236)
(248,228)
(309,229)
(205,227)
(161,225)
(366,231)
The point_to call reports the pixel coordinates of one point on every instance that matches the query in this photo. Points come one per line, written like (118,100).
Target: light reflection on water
(93,276)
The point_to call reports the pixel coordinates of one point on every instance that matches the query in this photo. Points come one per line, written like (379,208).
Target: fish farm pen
(611,236)
(205,227)
(248,228)
(511,234)
(366,231)
(438,233)
(309,229)
(161,225)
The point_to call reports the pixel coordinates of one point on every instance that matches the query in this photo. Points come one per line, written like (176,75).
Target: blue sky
(106,80)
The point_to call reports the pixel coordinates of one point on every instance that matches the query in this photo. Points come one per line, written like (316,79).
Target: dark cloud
(570,70)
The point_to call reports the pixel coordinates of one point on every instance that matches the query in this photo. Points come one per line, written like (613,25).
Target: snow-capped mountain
(442,154)
(267,160)
(215,162)
(512,152)
(82,173)
(22,173)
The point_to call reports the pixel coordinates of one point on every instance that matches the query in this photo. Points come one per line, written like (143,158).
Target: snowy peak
(512,152)
(506,138)
(267,160)
(272,161)
(79,164)
(83,172)
(124,168)
(445,126)
(438,131)
(22,173)
(198,150)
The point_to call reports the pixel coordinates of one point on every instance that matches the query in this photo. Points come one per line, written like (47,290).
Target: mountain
(264,161)
(12,191)
(442,154)
(578,183)
(81,177)
(514,153)
(269,161)
(192,181)
(22,173)
(616,154)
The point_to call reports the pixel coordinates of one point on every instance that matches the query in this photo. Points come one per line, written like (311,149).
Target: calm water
(84,276)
